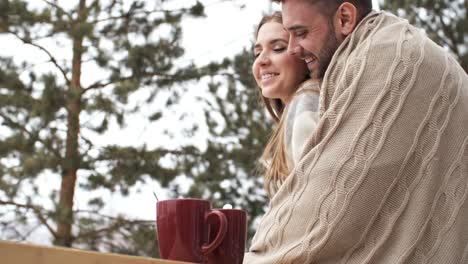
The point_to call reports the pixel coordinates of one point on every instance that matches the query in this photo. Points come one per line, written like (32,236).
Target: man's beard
(326,54)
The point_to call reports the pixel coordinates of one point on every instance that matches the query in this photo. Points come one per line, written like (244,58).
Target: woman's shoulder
(304,102)
(306,98)
(309,86)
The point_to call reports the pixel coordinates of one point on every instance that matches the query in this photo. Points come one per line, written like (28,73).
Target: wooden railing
(16,253)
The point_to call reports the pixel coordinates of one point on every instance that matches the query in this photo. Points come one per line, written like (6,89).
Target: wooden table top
(18,253)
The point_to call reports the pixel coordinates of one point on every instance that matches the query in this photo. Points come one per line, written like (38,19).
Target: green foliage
(46,112)
(44,115)
(446,22)
(198,9)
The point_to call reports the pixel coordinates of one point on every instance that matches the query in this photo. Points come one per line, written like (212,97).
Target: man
(384,178)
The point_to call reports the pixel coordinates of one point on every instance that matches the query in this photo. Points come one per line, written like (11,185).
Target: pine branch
(228,74)
(129,14)
(59,8)
(427,25)
(115,226)
(48,35)
(449,33)
(30,231)
(149,12)
(52,58)
(24,129)
(88,141)
(37,212)
(101,84)
(95,212)
(12,229)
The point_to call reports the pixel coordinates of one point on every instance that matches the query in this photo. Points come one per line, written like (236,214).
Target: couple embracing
(368,162)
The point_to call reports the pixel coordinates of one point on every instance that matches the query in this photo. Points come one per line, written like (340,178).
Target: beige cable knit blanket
(384,177)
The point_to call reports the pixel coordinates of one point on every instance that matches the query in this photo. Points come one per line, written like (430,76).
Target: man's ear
(346,17)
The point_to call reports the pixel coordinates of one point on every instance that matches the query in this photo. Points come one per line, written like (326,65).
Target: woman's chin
(269,96)
(272,95)
(268,93)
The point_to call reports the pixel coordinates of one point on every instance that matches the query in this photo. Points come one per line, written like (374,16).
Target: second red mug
(189,230)
(232,248)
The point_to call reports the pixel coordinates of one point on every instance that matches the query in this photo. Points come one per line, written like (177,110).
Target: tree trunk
(72,158)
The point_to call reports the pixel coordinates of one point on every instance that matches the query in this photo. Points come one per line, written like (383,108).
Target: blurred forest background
(53,124)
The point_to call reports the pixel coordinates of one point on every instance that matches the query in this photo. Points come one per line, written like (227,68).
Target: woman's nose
(263,58)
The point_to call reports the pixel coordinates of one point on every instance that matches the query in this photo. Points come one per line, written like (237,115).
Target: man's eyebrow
(295,27)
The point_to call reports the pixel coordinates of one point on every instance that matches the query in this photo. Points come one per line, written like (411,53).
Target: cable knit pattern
(384,177)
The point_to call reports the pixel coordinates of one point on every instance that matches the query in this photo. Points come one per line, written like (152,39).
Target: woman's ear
(346,17)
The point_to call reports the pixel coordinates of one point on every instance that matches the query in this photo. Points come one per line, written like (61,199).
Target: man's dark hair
(329,7)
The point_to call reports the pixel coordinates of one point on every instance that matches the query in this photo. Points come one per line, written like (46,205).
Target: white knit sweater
(302,116)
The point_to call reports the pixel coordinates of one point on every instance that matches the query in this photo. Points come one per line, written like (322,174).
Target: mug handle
(206,249)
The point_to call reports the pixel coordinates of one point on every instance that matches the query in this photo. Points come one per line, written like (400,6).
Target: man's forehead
(297,13)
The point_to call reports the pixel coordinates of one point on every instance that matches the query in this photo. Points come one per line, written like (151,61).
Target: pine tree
(131,47)
(445,21)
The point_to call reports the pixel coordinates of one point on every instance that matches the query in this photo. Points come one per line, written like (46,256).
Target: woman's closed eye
(279,49)
(256,53)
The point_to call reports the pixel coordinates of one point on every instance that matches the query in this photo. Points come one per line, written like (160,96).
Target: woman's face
(277,73)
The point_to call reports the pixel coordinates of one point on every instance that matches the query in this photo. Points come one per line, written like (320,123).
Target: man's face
(312,37)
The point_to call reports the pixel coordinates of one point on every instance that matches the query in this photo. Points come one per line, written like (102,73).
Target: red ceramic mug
(184,230)
(232,248)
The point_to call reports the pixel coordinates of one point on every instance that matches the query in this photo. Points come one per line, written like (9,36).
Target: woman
(290,97)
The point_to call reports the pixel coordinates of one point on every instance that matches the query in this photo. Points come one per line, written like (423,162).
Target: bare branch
(52,58)
(37,212)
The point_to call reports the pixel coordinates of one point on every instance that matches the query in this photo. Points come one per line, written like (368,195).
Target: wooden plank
(16,253)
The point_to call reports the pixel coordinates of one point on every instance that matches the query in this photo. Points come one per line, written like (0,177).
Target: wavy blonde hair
(273,163)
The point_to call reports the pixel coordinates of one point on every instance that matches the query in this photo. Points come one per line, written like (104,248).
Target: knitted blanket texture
(384,177)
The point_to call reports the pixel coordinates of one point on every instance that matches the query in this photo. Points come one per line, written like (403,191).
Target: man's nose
(294,48)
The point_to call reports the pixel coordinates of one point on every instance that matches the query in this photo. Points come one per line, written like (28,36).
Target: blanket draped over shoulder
(384,177)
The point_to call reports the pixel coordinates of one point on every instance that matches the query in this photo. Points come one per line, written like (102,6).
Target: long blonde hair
(273,163)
